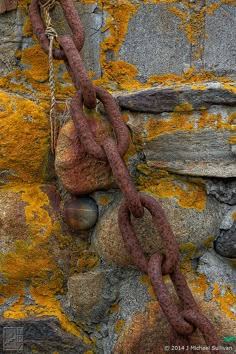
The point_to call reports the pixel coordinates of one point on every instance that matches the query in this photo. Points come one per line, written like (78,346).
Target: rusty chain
(187,319)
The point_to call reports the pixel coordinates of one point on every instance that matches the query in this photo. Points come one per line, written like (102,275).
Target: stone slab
(44,335)
(205,153)
(154,43)
(220,46)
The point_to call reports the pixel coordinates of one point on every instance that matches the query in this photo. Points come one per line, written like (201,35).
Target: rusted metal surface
(123,178)
(78,71)
(185,320)
(81,213)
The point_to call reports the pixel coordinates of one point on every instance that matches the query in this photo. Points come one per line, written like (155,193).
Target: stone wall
(171,66)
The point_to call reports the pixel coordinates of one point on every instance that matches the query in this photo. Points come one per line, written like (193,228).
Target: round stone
(81,213)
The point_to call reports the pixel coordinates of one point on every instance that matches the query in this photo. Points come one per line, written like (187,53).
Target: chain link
(185,320)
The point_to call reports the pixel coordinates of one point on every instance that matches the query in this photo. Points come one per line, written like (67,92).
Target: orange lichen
(193,17)
(27,29)
(189,193)
(114,308)
(226,301)
(185,121)
(87,261)
(38,62)
(119,326)
(232,140)
(32,263)
(198,283)
(187,250)
(175,122)
(104,200)
(146,280)
(25,131)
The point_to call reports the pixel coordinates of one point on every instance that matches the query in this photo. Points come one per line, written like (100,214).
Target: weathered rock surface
(172,50)
(42,335)
(79,172)
(25,133)
(225,243)
(196,143)
(217,269)
(138,325)
(12,220)
(189,226)
(188,129)
(36,255)
(220,44)
(224,191)
(85,297)
(166,99)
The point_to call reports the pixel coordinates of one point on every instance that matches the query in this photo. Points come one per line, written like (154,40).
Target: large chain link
(183,321)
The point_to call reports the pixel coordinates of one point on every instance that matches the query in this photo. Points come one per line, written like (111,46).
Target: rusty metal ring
(74,22)
(198,320)
(182,290)
(112,110)
(83,130)
(123,178)
(179,340)
(169,308)
(86,136)
(160,221)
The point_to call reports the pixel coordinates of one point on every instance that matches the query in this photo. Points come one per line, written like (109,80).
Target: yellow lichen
(189,193)
(232,140)
(87,261)
(32,263)
(185,121)
(114,308)
(146,280)
(208,242)
(119,325)
(187,249)
(38,61)
(225,301)
(25,132)
(198,283)
(104,200)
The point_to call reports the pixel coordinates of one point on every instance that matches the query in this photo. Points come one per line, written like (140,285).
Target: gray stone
(202,153)
(224,191)
(220,46)
(88,296)
(10,41)
(154,43)
(217,269)
(165,99)
(133,297)
(189,226)
(225,243)
(44,335)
